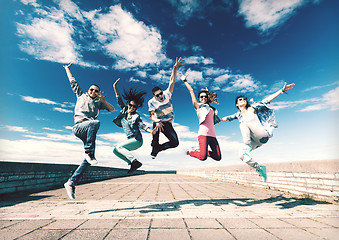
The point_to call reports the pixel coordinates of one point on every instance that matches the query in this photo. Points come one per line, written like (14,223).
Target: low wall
(318,179)
(18,177)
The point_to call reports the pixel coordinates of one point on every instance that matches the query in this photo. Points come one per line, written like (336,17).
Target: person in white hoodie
(86,125)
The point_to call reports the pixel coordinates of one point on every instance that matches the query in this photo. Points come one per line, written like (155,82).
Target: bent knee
(174,143)
(95,123)
(264,140)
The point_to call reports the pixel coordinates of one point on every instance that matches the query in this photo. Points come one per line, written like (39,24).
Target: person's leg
(202,153)
(78,173)
(155,142)
(123,149)
(171,135)
(259,135)
(87,132)
(215,149)
(246,150)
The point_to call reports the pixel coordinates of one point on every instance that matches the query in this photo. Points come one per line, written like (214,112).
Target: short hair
(96,86)
(245,98)
(134,95)
(155,89)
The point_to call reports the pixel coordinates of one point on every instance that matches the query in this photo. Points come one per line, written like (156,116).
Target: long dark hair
(134,95)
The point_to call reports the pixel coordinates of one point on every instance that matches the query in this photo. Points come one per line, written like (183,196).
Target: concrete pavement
(167,207)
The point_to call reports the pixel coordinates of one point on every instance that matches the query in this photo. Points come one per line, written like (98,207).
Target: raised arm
(178,62)
(74,84)
(284,89)
(117,94)
(68,71)
(190,89)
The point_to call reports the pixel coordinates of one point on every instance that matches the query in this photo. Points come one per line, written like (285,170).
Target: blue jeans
(169,133)
(87,132)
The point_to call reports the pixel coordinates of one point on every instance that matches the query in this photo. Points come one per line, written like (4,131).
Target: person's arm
(74,84)
(143,126)
(117,94)
(154,118)
(102,99)
(230,117)
(178,62)
(275,95)
(190,89)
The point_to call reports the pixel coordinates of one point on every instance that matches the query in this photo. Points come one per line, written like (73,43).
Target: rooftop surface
(167,206)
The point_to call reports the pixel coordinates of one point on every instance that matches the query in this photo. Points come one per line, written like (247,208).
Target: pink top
(207,127)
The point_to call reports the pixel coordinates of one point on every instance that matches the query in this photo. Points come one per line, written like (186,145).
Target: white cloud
(223,78)
(319,87)
(38,100)
(62,110)
(210,71)
(15,128)
(134,80)
(198,60)
(241,83)
(163,76)
(196,78)
(48,39)
(267,14)
(125,38)
(72,9)
(30,2)
(329,101)
(142,74)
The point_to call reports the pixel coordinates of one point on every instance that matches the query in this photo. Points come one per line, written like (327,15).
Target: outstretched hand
(67,66)
(288,87)
(101,97)
(160,127)
(178,62)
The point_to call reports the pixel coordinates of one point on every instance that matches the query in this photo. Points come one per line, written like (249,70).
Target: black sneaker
(154,152)
(134,166)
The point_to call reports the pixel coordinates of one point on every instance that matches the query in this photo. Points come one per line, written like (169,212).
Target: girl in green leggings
(131,122)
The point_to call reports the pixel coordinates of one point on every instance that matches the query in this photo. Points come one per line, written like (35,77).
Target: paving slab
(167,206)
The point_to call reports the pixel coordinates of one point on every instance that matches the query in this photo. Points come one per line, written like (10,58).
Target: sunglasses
(159,94)
(95,90)
(131,105)
(203,96)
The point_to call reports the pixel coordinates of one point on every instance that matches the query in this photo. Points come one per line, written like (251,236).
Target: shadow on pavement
(11,201)
(281,201)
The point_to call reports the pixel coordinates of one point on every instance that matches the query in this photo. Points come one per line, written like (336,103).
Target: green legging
(123,149)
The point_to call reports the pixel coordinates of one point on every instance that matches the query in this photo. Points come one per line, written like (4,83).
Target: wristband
(184,80)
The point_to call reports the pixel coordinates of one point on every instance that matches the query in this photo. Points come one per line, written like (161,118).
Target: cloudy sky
(233,47)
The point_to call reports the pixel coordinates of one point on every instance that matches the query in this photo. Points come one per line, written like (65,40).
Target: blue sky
(246,47)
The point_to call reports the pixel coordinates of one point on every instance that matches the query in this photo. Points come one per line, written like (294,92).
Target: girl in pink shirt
(207,118)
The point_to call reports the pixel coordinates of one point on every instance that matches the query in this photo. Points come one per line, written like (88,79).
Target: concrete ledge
(16,177)
(318,179)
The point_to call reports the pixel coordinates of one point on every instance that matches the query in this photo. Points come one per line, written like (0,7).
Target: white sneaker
(70,190)
(90,159)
